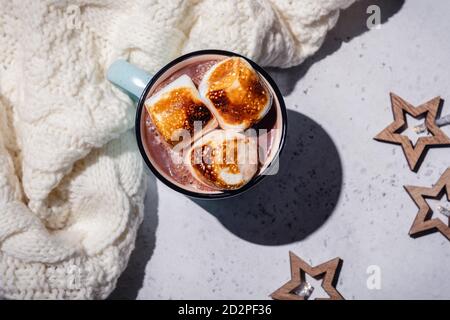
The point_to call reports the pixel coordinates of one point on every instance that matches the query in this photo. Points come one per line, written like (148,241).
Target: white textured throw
(71,179)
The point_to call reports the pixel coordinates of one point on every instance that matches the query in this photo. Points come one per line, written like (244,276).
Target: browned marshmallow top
(178,107)
(236,94)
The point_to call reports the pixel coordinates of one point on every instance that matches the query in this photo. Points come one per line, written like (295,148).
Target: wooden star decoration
(423,224)
(328,271)
(392,134)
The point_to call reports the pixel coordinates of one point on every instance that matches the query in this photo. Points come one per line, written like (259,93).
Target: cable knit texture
(71,180)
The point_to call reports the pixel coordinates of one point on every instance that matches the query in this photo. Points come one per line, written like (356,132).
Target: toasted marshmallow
(177,109)
(224,159)
(235,94)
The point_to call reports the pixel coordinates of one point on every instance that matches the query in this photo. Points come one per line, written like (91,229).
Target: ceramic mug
(139,85)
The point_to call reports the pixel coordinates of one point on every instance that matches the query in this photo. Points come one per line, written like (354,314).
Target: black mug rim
(226,193)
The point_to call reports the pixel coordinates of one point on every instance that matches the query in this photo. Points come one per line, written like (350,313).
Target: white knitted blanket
(71,180)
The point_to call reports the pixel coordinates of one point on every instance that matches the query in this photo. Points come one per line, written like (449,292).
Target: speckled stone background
(338,192)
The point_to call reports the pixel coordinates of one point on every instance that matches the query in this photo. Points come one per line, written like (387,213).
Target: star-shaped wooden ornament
(423,223)
(328,271)
(393,133)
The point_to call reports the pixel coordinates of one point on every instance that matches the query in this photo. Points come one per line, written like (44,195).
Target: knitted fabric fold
(71,179)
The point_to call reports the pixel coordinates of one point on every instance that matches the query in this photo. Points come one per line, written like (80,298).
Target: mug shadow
(132,279)
(351,24)
(294,203)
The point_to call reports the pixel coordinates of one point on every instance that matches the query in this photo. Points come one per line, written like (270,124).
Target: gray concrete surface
(339,193)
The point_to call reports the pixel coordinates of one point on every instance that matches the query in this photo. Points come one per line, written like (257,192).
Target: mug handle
(131,79)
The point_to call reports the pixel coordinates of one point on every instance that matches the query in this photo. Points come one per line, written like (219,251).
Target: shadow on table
(351,24)
(131,280)
(291,205)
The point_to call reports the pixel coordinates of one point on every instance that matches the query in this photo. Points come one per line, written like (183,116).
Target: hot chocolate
(167,160)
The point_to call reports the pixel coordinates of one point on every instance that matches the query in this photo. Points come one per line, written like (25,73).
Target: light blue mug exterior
(134,81)
(129,78)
